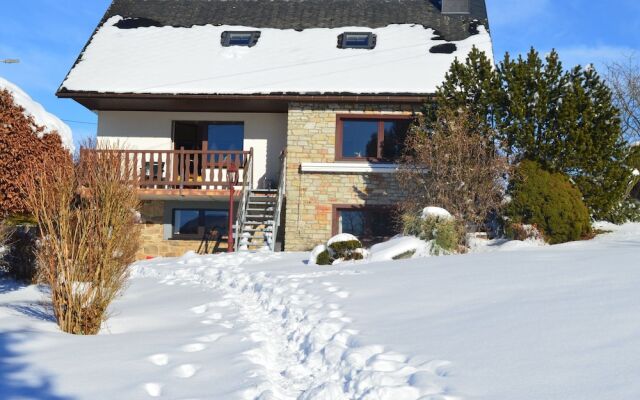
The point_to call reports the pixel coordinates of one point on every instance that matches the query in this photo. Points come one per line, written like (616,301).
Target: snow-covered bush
(342,247)
(400,248)
(436,226)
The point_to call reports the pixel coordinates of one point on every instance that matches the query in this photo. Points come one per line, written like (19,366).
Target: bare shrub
(453,166)
(87,220)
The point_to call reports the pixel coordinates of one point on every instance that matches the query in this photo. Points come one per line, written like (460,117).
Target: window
(372,138)
(194,224)
(225,135)
(357,40)
(372,224)
(239,38)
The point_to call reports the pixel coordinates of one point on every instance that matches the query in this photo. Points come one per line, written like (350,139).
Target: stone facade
(311,137)
(153,243)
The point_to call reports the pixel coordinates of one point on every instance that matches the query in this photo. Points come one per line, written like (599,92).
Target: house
(295,109)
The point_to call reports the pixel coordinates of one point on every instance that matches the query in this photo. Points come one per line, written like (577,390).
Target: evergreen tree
(535,110)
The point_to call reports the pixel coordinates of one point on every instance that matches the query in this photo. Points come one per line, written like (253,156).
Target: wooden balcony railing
(178,169)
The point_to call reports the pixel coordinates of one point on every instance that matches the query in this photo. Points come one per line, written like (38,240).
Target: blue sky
(47,35)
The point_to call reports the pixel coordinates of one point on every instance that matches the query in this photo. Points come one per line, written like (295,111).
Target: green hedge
(550,202)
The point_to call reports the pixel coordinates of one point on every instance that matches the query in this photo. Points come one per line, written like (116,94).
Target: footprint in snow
(159,359)
(215,316)
(153,389)
(199,309)
(210,338)
(226,324)
(185,371)
(193,347)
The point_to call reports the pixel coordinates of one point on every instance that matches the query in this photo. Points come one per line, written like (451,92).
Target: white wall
(143,130)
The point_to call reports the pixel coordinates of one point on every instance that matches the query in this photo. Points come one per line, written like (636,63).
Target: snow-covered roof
(175,48)
(41,116)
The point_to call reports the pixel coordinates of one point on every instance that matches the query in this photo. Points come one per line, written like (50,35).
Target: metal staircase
(259,216)
(257,226)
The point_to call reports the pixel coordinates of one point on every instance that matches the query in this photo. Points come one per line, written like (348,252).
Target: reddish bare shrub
(451,165)
(22,153)
(87,221)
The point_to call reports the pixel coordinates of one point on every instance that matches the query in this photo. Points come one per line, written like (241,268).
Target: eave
(276,102)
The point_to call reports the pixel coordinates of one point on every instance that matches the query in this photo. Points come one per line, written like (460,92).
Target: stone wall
(153,243)
(311,137)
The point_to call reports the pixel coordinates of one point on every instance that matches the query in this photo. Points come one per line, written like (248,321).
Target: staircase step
(248,230)
(257,217)
(272,191)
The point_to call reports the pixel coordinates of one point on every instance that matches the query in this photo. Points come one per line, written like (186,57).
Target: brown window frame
(382,118)
(335,215)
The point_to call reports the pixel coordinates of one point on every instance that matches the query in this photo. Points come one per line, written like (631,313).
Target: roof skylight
(357,40)
(240,38)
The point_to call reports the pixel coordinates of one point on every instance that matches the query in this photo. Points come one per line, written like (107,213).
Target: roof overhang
(226,102)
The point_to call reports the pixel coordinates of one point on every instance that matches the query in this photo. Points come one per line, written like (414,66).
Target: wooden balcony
(181,172)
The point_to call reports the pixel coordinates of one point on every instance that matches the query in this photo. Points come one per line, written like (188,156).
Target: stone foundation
(153,243)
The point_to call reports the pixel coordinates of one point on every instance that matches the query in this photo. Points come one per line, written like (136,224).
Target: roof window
(357,40)
(239,38)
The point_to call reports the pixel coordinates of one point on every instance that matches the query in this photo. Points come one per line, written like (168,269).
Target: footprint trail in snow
(304,348)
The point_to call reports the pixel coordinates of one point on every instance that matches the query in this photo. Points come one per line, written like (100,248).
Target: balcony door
(216,136)
(222,136)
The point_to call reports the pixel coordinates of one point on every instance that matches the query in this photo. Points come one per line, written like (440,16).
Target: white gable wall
(265,132)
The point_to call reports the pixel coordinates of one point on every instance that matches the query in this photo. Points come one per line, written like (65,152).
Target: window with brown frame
(371,137)
(370,224)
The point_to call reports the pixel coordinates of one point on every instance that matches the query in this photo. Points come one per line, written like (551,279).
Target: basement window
(239,38)
(198,224)
(370,224)
(357,40)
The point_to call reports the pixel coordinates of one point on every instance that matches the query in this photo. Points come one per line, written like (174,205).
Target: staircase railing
(247,186)
(282,184)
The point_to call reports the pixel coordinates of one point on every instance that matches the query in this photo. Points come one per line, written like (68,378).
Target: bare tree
(453,166)
(624,79)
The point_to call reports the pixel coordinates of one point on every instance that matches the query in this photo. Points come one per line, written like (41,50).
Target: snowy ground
(514,321)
